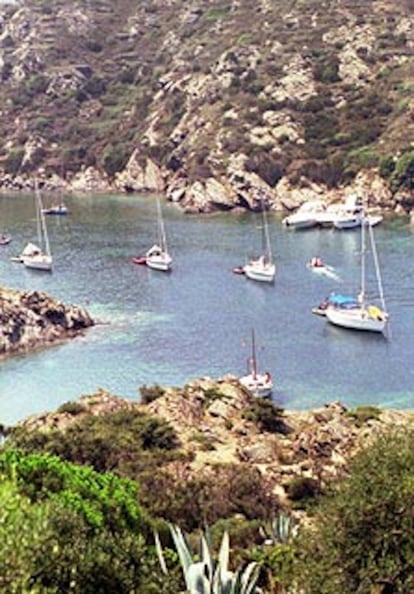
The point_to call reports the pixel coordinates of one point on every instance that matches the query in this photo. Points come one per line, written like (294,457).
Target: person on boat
(317,262)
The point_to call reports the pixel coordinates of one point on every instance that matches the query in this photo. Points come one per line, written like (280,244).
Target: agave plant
(207,576)
(279,530)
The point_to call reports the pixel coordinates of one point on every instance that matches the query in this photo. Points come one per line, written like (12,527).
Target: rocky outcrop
(31,320)
(216,426)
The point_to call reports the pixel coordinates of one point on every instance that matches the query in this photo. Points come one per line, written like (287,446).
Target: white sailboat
(157,257)
(259,384)
(363,314)
(263,268)
(38,257)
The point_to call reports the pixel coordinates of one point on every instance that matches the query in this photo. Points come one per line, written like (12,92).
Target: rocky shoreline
(214,423)
(32,320)
(242,190)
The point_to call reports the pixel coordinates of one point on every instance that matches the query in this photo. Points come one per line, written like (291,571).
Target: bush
(302,489)
(362,414)
(13,161)
(71,408)
(151,393)
(52,541)
(124,441)
(363,536)
(114,158)
(386,166)
(267,416)
(403,174)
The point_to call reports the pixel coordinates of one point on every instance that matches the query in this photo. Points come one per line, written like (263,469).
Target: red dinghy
(239,270)
(4,240)
(139,260)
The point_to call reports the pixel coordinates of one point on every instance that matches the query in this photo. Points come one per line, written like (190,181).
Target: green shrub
(403,174)
(386,166)
(13,160)
(362,414)
(362,539)
(302,489)
(126,441)
(267,416)
(151,393)
(72,408)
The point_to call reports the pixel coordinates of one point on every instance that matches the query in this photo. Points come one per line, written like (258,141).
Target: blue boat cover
(341,299)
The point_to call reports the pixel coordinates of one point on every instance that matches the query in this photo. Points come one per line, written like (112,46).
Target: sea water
(169,328)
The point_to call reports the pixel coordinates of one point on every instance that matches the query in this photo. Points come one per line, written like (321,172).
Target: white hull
(354,222)
(162,262)
(260,385)
(38,262)
(260,272)
(306,216)
(347,223)
(294,222)
(358,318)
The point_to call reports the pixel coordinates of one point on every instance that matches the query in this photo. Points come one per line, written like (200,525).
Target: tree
(363,536)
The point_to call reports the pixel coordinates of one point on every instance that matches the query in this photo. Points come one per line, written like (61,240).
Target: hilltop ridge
(215,104)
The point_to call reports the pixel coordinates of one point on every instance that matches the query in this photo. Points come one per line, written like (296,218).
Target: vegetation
(205,576)
(65,528)
(98,84)
(362,537)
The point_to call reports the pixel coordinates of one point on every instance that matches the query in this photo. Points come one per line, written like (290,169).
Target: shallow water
(196,321)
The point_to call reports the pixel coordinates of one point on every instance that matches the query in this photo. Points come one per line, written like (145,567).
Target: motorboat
(318,266)
(5,239)
(306,216)
(56,209)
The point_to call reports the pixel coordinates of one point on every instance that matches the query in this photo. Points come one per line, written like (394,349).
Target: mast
(265,236)
(377,268)
(42,235)
(163,239)
(254,361)
(361,296)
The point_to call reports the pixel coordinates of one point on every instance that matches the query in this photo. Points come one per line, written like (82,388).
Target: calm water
(171,328)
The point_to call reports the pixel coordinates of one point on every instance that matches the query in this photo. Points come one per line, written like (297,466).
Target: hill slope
(214,102)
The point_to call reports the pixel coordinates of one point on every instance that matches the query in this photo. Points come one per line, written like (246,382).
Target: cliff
(31,320)
(215,104)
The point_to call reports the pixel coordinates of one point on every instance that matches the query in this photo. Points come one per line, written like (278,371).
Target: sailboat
(157,257)
(263,268)
(363,314)
(38,256)
(259,384)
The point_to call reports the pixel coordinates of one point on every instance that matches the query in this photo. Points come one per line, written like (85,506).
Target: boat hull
(38,262)
(264,274)
(294,222)
(260,385)
(357,319)
(162,263)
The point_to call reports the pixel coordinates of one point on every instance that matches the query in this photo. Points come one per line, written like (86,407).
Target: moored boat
(38,257)
(259,384)
(263,268)
(365,314)
(306,216)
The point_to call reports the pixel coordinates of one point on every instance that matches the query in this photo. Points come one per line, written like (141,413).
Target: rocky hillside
(32,320)
(214,102)
(220,424)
